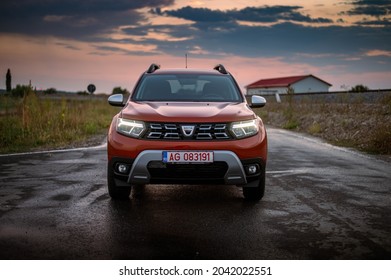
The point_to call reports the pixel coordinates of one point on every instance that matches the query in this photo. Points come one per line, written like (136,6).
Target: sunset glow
(69,44)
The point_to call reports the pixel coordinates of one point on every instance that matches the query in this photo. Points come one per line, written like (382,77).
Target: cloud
(382,22)
(68,46)
(288,33)
(207,32)
(275,14)
(265,14)
(71,18)
(378,53)
(282,39)
(199,14)
(375,8)
(76,7)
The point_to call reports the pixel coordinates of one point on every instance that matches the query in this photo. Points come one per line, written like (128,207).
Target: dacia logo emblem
(187,130)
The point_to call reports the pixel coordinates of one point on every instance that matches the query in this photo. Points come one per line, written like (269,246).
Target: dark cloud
(72,7)
(137,30)
(285,39)
(266,14)
(218,32)
(68,46)
(375,8)
(274,14)
(380,22)
(340,44)
(199,14)
(71,18)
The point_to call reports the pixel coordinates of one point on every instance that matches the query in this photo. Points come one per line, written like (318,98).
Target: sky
(69,44)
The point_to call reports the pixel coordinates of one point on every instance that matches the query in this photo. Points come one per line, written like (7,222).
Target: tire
(255,193)
(115,192)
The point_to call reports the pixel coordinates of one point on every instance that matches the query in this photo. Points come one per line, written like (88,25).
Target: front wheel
(115,191)
(255,193)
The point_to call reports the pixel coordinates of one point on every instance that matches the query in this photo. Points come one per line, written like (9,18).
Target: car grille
(175,131)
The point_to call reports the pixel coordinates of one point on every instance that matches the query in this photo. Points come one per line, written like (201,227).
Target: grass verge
(359,125)
(34,123)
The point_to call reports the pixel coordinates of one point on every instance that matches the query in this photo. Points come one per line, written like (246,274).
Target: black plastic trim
(153,68)
(221,69)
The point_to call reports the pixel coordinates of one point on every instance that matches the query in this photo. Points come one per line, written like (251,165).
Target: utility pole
(186,60)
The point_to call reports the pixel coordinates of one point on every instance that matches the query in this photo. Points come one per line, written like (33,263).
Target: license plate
(187,156)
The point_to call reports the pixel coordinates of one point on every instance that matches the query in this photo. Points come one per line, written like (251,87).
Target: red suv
(186,126)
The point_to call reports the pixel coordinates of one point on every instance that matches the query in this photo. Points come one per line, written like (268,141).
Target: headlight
(130,128)
(244,129)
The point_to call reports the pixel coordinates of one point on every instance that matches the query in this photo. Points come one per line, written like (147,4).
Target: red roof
(280,82)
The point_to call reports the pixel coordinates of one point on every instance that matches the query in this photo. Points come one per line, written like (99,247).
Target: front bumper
(139,173)
(148,168)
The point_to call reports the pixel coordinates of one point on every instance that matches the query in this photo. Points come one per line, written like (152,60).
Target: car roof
(219,69)
(174,71)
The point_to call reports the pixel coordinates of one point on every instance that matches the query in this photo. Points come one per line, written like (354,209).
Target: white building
(299,84)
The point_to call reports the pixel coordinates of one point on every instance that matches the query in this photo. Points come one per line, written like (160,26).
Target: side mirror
(116,100)
(257,101)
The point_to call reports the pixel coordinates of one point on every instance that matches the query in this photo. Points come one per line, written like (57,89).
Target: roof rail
(153,68)
(221,69)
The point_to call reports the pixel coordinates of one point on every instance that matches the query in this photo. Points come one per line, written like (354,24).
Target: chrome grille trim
(170,126)
(173,131)
(171,135)
(221,135)
(154,135)
(205,127)
(155,126)
(204,136)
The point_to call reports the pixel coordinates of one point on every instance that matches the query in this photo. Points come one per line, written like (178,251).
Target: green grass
(32,122)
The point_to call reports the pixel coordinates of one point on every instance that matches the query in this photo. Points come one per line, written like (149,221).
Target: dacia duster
(186,126)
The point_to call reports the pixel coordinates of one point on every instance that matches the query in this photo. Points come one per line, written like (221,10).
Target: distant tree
(22,90)
(119,90)
(8,80)
(50,91)
(359,88)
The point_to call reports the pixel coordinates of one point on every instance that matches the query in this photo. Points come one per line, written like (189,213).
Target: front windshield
(186,87)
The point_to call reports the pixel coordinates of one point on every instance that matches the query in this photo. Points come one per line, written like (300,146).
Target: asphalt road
(321,202)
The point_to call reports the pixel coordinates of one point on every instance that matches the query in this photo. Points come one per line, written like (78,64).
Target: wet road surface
(321,202)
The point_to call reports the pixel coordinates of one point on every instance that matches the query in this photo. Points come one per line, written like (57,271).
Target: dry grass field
(365,126)
(35,123)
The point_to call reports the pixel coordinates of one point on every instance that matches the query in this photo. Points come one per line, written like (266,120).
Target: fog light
(252,169)
(122,168)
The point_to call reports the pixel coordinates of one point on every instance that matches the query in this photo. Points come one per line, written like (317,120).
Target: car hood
(187,111)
